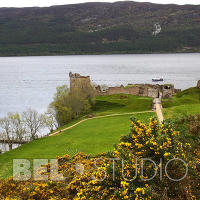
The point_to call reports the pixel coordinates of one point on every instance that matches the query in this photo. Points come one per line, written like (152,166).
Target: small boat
(157,79)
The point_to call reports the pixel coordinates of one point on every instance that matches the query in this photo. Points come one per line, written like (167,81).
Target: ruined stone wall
(116,90)
(132,90)
(147,90)
(137,90)
(168,91)
(79,82)
(153,92)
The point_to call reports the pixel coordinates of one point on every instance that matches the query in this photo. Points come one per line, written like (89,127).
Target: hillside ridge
(99,28)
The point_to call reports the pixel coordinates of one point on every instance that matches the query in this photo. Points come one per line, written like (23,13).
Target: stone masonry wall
(147,90)
(122,90)
(79,82)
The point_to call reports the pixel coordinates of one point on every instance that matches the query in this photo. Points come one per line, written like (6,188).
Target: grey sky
(29,3)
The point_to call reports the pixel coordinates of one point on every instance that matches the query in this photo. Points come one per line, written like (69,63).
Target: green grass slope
(92,136)
(185,103)
(121,103)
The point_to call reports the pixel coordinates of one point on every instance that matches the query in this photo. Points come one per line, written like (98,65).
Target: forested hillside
(96,28)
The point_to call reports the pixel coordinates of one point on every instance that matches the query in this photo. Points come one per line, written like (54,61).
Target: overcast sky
(29,3)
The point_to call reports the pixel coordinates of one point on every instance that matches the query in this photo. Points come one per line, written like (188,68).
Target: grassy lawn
(185,103)
(91,137)
(189,96)
(182,110)
(99,135)
(117,104)
(121,103)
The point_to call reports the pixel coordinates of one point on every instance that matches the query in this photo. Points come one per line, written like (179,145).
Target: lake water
(31,81)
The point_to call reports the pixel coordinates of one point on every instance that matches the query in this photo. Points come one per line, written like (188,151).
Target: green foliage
(97,28)
(190,128)
(71,105)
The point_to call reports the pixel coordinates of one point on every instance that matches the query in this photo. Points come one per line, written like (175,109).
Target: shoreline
(100,54)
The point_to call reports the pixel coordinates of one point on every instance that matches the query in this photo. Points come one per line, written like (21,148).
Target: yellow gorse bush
(96,178)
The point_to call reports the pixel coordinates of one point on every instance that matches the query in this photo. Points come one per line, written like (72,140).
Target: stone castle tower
(79,82)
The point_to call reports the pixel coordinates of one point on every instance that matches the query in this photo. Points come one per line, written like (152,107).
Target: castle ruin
(79,82)
(147,90)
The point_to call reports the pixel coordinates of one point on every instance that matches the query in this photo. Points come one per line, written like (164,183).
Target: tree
(17,125)
(33,122)
(61,91)
(59,107)
(6,131)
(12,129)
(68,106)
(50,119)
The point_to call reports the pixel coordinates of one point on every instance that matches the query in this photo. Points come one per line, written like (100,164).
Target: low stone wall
(146,90)
(116,90)
(132,90)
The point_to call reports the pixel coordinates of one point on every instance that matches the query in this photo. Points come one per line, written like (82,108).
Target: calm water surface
(31,81)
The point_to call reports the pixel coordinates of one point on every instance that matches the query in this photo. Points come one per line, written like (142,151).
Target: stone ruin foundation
(146,90)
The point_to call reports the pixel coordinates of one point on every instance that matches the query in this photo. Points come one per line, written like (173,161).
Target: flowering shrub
(136,169)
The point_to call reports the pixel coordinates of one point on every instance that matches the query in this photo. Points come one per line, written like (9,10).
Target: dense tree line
(119,40)
(98,28)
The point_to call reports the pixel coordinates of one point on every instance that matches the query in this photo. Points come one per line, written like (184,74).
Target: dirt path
(159,110)
(111,115)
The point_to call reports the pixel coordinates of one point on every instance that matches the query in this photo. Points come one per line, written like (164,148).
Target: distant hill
(99,28)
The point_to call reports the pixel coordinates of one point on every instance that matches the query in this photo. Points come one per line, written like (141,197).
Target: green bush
(70,105)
